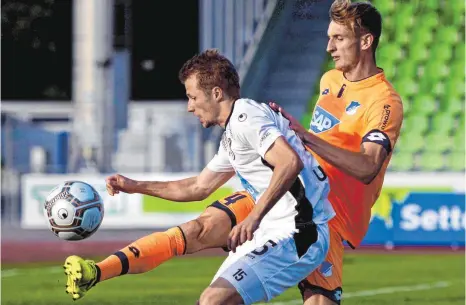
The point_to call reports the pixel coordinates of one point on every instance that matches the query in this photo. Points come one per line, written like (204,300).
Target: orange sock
(143,255)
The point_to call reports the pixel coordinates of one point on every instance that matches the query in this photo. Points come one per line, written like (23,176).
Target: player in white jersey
(250,131)
(285,237)
(292,238)
(280,233)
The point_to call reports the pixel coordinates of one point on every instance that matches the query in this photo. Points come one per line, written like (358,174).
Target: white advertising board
(125,211)
(121,211)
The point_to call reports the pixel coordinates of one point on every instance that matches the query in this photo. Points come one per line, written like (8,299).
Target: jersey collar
(366,82)
(229,116)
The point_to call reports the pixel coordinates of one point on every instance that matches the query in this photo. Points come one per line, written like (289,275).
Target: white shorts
(262,273)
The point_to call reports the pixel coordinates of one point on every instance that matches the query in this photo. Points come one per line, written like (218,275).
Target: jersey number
(260,251)
(320,176)
(239,275)
(233,198)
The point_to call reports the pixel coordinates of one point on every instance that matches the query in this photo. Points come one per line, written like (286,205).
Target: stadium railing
(235,28)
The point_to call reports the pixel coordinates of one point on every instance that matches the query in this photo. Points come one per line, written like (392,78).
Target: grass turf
(181,281)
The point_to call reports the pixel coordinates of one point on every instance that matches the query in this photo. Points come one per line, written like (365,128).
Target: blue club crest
(352,107)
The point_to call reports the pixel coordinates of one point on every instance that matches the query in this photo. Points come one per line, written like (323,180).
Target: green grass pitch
(402,279)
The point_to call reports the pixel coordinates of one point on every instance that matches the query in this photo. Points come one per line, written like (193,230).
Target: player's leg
(267,271)
(209,230)
(323,286)
(221,292)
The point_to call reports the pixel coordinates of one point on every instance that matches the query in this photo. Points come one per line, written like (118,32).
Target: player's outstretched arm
(189,189)
(365,164)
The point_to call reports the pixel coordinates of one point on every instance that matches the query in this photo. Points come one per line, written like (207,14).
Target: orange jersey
(347,114)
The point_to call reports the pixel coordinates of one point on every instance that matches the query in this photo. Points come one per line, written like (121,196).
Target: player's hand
(243,231)
(294,123)
(119,183)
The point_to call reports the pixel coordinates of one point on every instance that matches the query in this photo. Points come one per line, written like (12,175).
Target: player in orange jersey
(355,126)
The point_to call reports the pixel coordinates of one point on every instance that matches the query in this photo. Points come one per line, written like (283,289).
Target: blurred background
(90,88)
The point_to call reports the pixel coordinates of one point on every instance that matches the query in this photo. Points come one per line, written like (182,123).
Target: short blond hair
(361,17)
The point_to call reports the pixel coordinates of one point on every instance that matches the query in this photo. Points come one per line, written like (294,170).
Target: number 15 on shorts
(239,275)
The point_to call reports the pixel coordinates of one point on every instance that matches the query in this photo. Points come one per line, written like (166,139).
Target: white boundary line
(13,272)
(9,272)
(379,291)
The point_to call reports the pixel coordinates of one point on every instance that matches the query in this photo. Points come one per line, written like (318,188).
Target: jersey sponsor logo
(325,92)
(385,116)
(322,120)
(352,107)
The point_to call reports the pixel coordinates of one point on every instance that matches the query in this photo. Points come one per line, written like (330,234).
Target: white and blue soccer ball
(74,210)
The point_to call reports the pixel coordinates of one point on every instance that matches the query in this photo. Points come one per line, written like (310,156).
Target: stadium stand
(422,53)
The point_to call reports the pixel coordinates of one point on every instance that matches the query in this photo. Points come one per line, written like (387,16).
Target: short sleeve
(383,123)
(259,131)
(220,162)
(325,82)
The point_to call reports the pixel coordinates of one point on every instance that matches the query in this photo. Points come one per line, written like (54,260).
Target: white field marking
(14,272)
(367,293)
(9,272)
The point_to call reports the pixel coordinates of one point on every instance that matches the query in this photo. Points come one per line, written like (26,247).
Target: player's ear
(366,41)
(217,93)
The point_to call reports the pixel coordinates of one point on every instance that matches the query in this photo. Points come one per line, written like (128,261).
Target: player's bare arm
(363,165)
(189,189)
(286,166)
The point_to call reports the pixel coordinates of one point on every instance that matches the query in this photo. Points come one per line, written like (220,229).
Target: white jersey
(250,131)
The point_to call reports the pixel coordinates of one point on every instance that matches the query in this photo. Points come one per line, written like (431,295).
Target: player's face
(202,105)
(343,46)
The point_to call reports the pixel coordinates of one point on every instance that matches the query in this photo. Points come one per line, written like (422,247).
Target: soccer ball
(74,210)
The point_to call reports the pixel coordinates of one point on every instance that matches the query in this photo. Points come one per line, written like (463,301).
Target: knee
(212,296)
(220,292)
(208,297)
(194,231)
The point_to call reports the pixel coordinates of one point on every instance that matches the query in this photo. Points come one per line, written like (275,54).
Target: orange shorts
(326,280)
(237,206)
